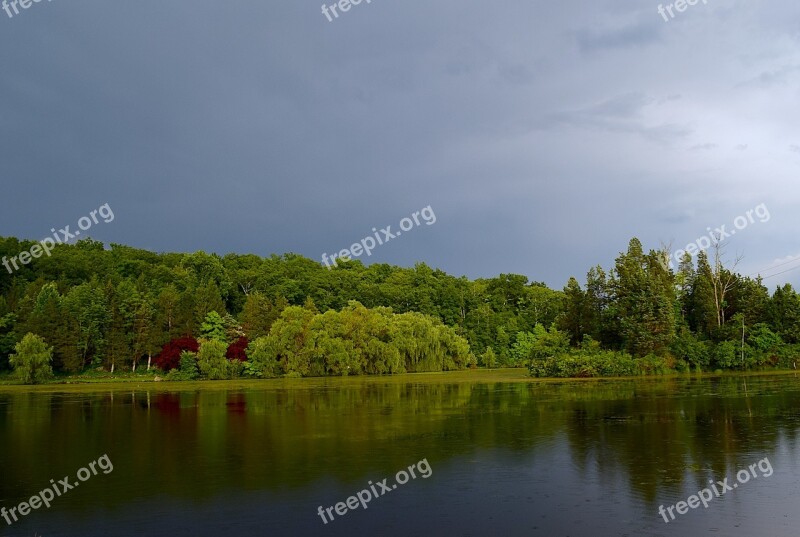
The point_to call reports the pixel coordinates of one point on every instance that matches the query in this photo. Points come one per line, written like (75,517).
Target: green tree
(7,337)
(576,309)
(489,358)
(207,299)
(87,305)
(597,297)
(644,300)
(31,360)
(167,306)
(187,368)
(211,360)
(213,327)
(701,308)
(783,313)
(258,314)
(291,338)
(263,356)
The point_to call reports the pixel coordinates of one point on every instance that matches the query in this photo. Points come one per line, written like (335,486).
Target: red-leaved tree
(236,350)
(170,356)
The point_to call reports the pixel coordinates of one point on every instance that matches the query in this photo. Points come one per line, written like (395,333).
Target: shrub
(788,356)
(688,348)
(252,370)
(238,350)
(539,344)
(262,359)
(188,368)
(489,358)
(598,363)
(170,356)
(211,359)
(654,365)
(727,355)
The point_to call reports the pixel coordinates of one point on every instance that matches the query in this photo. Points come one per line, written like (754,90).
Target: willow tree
(31,359)
(211,360)
(291,339)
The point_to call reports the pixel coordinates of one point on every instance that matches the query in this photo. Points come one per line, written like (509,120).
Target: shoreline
(505,375)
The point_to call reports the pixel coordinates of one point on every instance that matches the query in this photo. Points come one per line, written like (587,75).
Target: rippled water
(508,456)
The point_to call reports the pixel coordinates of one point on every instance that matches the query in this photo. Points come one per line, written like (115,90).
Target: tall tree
(644,300)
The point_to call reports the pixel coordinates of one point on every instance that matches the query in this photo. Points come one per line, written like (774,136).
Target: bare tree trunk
(722,285)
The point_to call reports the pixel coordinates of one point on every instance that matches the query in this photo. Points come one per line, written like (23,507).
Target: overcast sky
(544,135)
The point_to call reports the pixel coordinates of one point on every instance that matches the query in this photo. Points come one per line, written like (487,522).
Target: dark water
(504,458)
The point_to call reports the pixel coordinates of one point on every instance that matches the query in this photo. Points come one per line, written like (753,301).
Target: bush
(235,369)
(727,355)
(538,345)
(262,359)
(788,356)
(583,364)
(238,350)
(31,361)
(688,348)
(170,356)
(489,358)
(252,370)
(187,370)
(654,365)
(764,339)
(212,361)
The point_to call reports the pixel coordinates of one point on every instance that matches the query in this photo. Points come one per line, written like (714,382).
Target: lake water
(505,456)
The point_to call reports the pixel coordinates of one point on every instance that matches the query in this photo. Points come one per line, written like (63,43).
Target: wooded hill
(116,307)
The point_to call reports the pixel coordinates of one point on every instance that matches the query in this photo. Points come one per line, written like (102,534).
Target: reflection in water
(654,439)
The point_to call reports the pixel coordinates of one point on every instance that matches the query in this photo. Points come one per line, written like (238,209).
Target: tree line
(121,308)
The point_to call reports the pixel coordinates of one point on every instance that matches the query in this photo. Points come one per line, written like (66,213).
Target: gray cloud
(544,135)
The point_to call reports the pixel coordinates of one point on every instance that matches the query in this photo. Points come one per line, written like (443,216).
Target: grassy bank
(102,382)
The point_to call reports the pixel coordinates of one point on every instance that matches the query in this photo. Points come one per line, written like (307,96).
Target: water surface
(508,456)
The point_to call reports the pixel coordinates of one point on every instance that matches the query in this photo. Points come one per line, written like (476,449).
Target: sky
(543,135)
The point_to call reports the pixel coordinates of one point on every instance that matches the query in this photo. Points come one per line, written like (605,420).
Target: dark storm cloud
(543,134)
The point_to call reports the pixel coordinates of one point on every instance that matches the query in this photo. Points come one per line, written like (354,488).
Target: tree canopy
(118,307)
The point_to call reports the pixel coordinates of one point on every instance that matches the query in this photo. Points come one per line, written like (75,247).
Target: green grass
(96,381)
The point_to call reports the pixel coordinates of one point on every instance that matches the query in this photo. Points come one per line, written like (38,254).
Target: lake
(491,453)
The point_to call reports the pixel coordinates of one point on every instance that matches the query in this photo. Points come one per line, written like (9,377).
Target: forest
(88,307)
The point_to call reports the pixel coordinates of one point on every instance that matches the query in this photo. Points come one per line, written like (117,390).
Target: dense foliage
(117,308)
(31,360)
(172,352)
(357,341)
